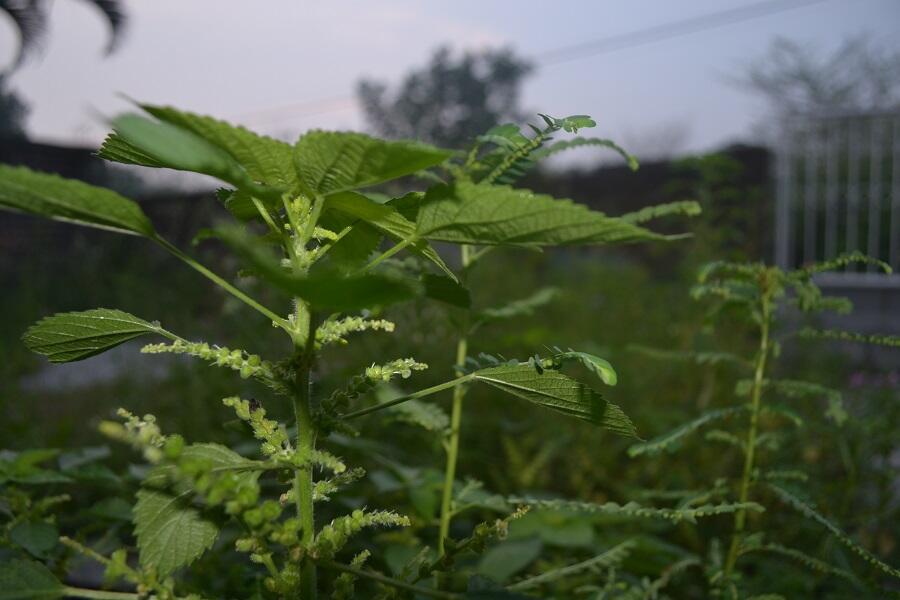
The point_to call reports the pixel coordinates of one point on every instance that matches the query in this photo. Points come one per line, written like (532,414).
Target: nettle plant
(759,422)
(304,229)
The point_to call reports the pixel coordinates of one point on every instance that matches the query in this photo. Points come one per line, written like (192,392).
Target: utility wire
(564,54)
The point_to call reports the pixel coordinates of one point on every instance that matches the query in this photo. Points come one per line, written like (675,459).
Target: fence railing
(838,190)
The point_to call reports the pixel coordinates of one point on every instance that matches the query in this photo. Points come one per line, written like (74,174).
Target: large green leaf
(552,389)
(67,337)
(172,532)
(28,580)
(470,213)
(138,138)
(322,288)
(387,220)
(265,159)
(37,537)
(328,161)
(46,195)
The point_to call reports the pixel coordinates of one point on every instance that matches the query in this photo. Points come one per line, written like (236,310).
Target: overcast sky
(283,66)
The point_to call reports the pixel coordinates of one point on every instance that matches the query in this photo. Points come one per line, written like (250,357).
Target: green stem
(459,393)
(400,585)
(75,592)
(306,443)
(414,396)
(388,253)
(740,517)
(175,251)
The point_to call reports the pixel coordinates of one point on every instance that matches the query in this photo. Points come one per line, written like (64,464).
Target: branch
(414,396)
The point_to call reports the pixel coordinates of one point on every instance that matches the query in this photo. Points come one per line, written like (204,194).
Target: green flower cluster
(336,330)
(334,536)
(273,436)
(248,365)
(402,366)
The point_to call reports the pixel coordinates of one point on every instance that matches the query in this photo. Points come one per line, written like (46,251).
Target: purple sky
(238,60)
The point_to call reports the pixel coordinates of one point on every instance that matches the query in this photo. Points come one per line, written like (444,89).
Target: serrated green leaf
(116,149)
(172,147)
(553,390)
(321,288)
(67,337)
(485,214)
(265,159)
(28,580)
(54,197)
(387,220)
(328,162)
(171,532)
(37,537)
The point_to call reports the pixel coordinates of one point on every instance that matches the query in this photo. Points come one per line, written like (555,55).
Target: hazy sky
(239,59)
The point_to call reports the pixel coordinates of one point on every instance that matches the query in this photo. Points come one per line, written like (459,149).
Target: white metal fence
(838,190)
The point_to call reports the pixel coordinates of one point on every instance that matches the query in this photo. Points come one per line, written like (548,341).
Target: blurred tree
(30,18)
(450,100)
(12,112)
(795,79)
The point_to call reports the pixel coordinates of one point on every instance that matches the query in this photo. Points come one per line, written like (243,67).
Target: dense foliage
(287,515)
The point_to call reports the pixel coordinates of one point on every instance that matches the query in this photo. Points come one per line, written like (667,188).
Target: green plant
(306,231)
(756,424)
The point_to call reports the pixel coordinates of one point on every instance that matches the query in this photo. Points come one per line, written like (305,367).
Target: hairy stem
(740,517)
(459,393)
(174,250)
(306,442)
(396,583)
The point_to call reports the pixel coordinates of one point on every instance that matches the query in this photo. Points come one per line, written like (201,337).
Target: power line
(572,52)
(669,30)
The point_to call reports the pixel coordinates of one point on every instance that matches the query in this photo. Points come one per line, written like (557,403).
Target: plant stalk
(175,251)
(740,517)
(414,396)
(459,393)
(306,443)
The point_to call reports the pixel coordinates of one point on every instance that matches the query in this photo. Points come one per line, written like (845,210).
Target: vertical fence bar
(874,229)
(810,184)
(853,135)
(894,252)
(831,188)
(783,195)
